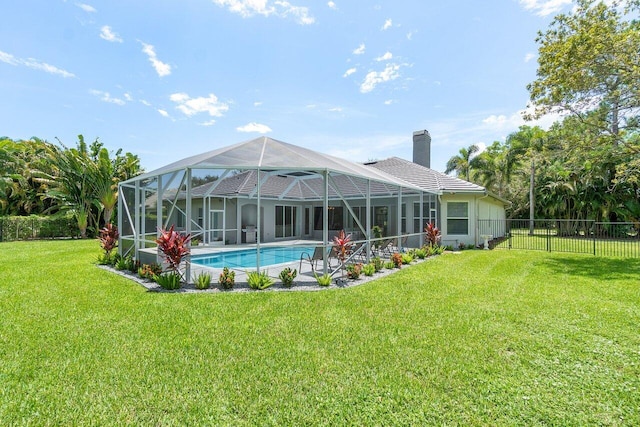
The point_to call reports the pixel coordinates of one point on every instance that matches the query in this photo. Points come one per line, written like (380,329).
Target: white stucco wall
(485,214)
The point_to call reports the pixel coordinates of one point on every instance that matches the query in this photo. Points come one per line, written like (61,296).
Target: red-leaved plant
(174,247)
(343,245)
(432,233)
(109,238)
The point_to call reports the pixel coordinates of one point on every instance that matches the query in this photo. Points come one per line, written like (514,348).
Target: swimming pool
(246,258)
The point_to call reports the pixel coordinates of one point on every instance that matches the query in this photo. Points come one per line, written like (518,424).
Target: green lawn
(480,338)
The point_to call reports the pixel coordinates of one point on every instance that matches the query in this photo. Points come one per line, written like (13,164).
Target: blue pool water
(246,258)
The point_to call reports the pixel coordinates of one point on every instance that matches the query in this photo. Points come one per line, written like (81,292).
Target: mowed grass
(480,338)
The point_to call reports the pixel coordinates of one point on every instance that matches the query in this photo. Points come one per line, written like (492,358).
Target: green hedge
(37,227)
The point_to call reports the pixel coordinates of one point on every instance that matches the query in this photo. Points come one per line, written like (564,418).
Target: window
(458,218)
(180,219)
(428,215)
(335,217)
(285,221)
(360,212)
(403,218)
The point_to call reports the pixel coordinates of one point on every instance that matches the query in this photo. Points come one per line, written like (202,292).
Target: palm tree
(492,169)
(71,183)
(463,162)
(22,166)
(104,185)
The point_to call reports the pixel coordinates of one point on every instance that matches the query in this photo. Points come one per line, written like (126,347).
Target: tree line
(586,166)
(38,177)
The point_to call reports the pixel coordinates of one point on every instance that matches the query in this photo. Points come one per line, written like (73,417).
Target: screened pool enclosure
(264,191)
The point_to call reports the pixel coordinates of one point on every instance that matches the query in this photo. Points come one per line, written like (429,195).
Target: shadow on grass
(598,268)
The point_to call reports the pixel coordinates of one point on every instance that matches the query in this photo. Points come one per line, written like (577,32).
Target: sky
(167,79)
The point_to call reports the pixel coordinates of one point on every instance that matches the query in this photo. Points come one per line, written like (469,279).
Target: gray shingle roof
(423,177)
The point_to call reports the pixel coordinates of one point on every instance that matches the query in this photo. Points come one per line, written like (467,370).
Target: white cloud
(359,50)
(374,78)
(389,102)
(544,7)
(280,8)
(495,120)
(163,113)
(108,35)
(410,35)
(387,24)
(145,102)
(106,97)
(190,106)
(43,66)
(529,56)
(254,127)
(332,5)
(7,58)
(335,109)
(34,64)
(208,123)
(514,121)
(161,68)
(257,103)
(349,72)
(86,7)
(311,106)
(387,56)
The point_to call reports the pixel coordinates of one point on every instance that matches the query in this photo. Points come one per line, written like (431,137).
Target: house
(462,210)
(264,190)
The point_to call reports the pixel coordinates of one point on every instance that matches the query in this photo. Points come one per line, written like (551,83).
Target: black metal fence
(37,227)
(619,239)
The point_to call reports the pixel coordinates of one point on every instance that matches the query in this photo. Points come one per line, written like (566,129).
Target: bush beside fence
(37,227)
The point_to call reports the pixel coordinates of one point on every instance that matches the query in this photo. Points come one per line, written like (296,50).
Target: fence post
(595,228)
(548,236)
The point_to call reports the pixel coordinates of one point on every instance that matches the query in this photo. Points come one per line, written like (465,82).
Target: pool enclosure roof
(267,154)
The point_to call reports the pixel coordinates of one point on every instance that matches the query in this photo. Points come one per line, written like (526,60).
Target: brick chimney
(422,148)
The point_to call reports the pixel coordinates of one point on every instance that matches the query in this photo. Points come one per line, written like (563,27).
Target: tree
(23,164)
(589,60)
(71,183)
(85,181)
(463,162)
(589,69)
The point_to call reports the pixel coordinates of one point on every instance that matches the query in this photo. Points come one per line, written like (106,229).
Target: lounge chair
(317,256)
(387,247)
(359,251)
(404,240)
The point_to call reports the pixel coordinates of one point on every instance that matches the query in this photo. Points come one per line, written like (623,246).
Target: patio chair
(404,241)
(387,247)
(317,256)
(359,251)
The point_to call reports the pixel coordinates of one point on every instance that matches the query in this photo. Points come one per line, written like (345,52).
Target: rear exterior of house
(460,206)
(301,194)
